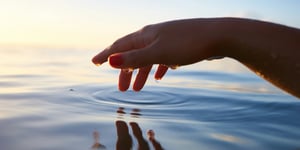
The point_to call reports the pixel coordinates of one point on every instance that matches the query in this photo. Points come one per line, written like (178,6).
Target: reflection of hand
(124,141)
(97,145)
(151,137)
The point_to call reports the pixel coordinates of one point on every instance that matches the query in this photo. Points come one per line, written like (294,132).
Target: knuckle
(146,28)
(136,60)
(115,45)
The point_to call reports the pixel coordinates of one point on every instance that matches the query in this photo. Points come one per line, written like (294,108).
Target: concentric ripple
(146,98)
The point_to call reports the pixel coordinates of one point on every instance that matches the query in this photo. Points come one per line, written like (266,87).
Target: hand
(270,50)
(168,44)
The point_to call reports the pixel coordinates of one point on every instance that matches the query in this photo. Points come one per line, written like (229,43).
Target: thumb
(133,59)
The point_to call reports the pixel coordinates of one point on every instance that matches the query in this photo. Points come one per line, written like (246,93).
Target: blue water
(54,99)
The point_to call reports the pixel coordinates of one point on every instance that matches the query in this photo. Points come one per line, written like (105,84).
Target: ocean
(56,99)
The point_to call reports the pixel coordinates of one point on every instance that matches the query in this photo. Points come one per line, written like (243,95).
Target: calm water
(55,99)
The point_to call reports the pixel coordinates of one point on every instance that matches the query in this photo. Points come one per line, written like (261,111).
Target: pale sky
(97,23)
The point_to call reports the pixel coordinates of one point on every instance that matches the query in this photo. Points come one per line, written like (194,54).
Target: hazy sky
(97,23)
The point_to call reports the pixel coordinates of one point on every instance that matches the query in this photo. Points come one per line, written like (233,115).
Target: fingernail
(157,78)
(116,60)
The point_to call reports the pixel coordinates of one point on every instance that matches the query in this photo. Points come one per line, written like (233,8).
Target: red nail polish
(116,60)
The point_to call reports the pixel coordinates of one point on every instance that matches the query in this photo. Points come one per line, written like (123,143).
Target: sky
(95,24)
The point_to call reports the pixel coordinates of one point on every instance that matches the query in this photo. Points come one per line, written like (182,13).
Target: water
(54,99)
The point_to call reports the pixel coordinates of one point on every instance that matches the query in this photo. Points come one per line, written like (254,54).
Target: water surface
(54,99)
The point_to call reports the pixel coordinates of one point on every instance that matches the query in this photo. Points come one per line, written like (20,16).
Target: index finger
(126,43)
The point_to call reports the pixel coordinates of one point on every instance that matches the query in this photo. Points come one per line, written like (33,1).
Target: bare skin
(270,50)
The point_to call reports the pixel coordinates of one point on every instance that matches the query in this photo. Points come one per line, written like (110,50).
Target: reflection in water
(121,111)
(155,143)
(97,145)
(135,113)
(124,139)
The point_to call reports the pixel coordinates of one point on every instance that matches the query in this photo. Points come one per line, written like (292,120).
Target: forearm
(272,51)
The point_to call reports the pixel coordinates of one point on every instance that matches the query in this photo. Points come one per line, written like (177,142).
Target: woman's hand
(270,50)
(168,44)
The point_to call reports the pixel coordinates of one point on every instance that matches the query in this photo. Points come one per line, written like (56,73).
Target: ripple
(146,98)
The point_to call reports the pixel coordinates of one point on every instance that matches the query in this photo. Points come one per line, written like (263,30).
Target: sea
(56,99)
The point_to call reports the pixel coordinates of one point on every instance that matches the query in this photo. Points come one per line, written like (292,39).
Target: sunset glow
(97,23)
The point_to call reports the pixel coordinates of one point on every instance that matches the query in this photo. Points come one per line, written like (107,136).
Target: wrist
(232,37)
(224,40)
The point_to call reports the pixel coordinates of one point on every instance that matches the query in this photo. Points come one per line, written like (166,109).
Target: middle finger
(141,78)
